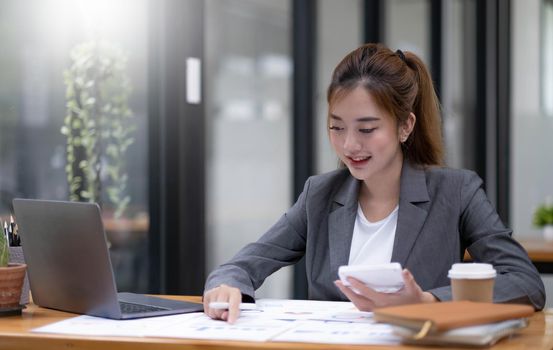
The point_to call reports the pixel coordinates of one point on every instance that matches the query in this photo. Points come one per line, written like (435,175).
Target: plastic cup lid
(472,271)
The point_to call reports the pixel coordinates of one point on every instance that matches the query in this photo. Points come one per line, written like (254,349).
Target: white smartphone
(384,278)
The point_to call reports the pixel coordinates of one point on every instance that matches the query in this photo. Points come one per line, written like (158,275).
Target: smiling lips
(358,161)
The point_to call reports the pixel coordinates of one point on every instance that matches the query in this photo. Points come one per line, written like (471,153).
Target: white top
(372,242)
(472,271)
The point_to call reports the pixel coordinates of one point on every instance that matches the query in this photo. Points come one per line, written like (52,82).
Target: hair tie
(400,54)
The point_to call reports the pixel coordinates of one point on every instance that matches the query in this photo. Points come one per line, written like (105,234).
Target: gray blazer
(442,212)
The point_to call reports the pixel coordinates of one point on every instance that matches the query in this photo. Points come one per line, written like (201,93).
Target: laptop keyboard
(130,308)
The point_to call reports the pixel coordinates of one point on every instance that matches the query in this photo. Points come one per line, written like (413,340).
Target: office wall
(407,26)
(248,115)
(532,128)
(458,95)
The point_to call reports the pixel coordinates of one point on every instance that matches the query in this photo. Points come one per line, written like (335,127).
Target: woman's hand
(226,294)
(369,299)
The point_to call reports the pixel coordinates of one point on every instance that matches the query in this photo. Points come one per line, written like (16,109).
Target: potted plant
(98,125)
(543,218)
(12,276)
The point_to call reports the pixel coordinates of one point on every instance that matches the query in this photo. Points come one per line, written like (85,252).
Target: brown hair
(400,83)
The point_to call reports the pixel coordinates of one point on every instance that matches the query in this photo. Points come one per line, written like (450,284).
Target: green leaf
(98,123)
(76,124)
(4,251)
(543,216)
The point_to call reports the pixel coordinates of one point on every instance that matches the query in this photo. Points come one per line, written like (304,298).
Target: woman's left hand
(369,299)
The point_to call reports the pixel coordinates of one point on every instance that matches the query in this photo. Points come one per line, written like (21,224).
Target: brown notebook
(439,317)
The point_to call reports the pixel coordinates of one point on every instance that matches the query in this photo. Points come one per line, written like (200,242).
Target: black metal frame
(436,56)
(503,162)
(303,42)
(492,124)
(155,57)
(177,151)
(372,24)
(482,92)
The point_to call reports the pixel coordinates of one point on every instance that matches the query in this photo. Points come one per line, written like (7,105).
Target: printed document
(273,320)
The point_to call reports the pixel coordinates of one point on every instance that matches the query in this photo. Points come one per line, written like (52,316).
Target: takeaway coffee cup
(472,281)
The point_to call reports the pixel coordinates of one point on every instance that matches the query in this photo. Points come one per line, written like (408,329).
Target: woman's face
(364,136)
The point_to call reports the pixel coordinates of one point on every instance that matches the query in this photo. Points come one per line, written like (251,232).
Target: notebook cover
(450,314)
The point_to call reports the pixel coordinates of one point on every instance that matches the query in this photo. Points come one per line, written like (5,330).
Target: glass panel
(339,31)
(248,89)
(40,40)
(547,57)
(407,25)
(531,147)
(458,90)
(531,127)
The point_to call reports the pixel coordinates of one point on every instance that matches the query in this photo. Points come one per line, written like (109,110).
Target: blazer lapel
(411,216)
(340,223)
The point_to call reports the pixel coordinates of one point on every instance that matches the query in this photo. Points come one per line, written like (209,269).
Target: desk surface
(15,334)
(539,250)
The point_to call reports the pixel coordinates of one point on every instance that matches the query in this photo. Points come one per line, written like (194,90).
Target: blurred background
(195,123)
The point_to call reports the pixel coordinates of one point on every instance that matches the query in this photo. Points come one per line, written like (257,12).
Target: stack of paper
(276,320)
(483,335)
(322,322)
(455,322)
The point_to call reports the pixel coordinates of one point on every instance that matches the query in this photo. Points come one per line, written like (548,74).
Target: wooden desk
(15,334)
(539,250)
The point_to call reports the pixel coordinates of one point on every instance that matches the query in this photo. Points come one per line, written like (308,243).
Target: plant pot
(11,283)
(548,232)
(16,257)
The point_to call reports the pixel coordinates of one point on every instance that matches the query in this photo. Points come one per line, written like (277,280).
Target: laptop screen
(68,261)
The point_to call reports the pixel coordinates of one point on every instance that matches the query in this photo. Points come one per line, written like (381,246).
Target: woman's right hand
(223,293)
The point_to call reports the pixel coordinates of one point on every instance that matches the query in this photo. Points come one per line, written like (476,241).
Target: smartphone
(384,278)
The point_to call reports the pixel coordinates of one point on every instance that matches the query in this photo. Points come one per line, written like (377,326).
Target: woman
(393,201)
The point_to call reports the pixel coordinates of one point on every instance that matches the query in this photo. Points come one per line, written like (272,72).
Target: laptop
(69,266)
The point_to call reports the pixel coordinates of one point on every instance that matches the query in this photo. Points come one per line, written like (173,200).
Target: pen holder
(16,256)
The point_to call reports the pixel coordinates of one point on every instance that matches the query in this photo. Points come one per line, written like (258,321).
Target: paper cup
(472,281)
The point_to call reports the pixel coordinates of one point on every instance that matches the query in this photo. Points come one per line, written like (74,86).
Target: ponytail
(425,145)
